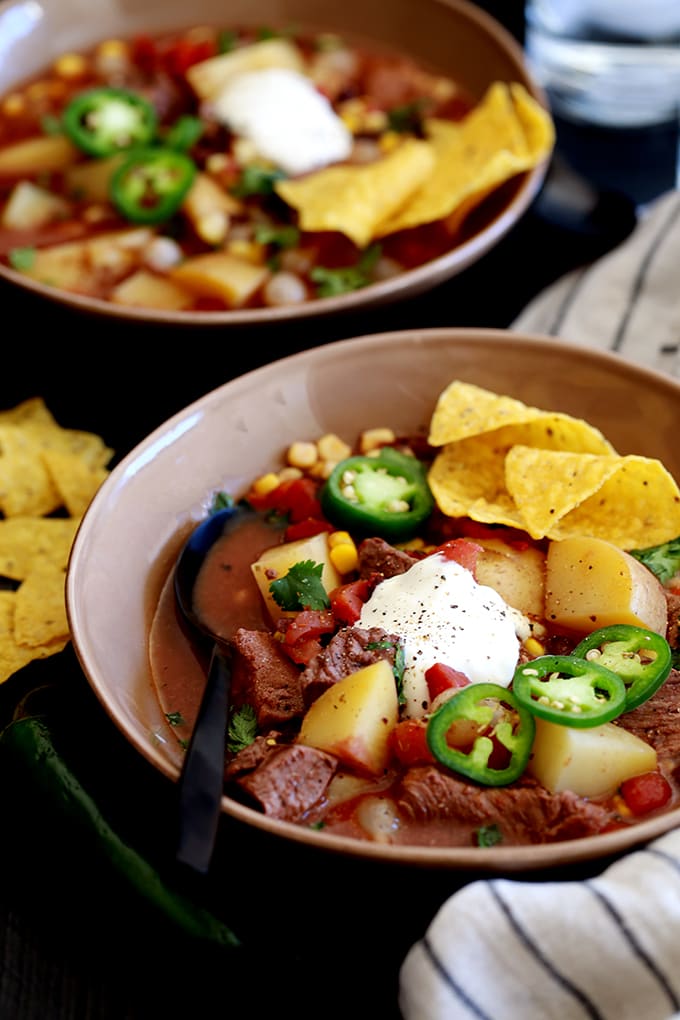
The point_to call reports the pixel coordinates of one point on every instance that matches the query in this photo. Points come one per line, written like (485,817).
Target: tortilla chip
(40,607)
(356,199)
(545,485)
(24,540)
(463,410)
(32,411)
(75,480)
(25,483)
(507,133)
(13,656)
(638,506)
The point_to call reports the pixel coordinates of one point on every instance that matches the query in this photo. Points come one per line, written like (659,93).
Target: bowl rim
(498,859)
(405,285)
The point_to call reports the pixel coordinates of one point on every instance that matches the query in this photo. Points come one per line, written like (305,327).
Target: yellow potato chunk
(275,563)
(591,762)
(219,274)
(37,155)
(354,718)
(146,290)
(591,583)
(518,575)
(30,206)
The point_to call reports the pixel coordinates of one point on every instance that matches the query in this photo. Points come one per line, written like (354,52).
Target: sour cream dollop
(443,615)
(285,117)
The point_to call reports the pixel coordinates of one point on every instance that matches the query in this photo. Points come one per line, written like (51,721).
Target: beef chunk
(378,559)
(657,721)
(288,782)
(265,678)
(525,812)
(253,755)
(673,624)
(346,652)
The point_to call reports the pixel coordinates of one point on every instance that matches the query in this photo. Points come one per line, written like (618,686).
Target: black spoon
(202,777)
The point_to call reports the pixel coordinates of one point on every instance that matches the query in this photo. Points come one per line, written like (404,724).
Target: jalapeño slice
(102,121)
(150,185)
(484,733)
(642,658)
(569,690)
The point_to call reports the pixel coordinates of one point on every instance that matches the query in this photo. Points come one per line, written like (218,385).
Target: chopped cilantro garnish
(242,729)
(397,668)
(51,125)
(221,501)
(663,560)
(256,180)
(22,258)
(331,282)
(175,718)
(281,237)
(489,835)
(184,133)
(407,119)
(301,588)
(226,41)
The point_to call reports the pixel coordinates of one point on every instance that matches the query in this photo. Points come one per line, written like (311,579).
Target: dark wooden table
(322,936)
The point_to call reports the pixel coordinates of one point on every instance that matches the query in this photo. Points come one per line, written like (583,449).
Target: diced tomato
(310,623)
(408,743)
(475,529)
(297,497)
(144,53)
(646,793)
(347,601)
(187,52)
(303,652)
(463,551)
(442,678)
(305,529)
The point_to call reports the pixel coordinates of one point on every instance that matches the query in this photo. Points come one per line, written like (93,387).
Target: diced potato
(518,575)
(354,718)
(209,208)
(221,275)
(36,156)
(209,77)
(79,265)
(591,762)
(30,206)
(90,181)
(275,563)
(146,290)
(591,583)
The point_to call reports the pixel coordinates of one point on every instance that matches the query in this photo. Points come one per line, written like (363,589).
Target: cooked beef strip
(378,559)
(253,755)
(673,625)
(657,720)
(265,678)
(346,652)
(525,812)
(288,782)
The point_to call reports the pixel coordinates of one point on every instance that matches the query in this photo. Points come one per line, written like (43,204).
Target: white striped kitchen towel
(607,948)
(628,301)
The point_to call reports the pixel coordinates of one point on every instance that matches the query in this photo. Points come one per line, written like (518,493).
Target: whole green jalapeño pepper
(484,733)
(569,690)
(642,658)
(385,496)
(150,185)
(102,121)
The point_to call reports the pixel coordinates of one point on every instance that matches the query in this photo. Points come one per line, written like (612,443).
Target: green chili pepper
(642,658)
(386,496)
(150,185)
(569,690)
(484,733)
(29,742)
(102,121)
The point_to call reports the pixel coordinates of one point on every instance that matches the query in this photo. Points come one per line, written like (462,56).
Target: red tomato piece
(347,601)
(442,678)
(463,551)
(408,743)
(303,652)
(297,497)
(310,623)
(646,793)
(305,529)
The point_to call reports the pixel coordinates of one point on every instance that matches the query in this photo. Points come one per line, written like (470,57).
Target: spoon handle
(201,780)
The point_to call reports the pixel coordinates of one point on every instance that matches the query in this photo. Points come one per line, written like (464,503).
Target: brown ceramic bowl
(240,430)
(449,36)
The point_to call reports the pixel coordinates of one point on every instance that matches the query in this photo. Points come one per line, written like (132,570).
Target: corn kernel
(302,455)
(212,227)
(375,121)
(266,483)
(289,474)
(216,163)
(113,49)
(339,538)
(389,141)
(250,251)
(71,66)
(373,439)
(534,647)
(620,806)
(331,447)
(344,557)
(13,105)
(322,469)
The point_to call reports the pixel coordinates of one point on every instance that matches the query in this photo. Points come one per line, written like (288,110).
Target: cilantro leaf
(663,560)
(220,501)
(242,729)
(397,668)
(256,180)
(489,835)
(331,282)
(408,119)
(175,718)
(281,237)
(301,588)
(22,259)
